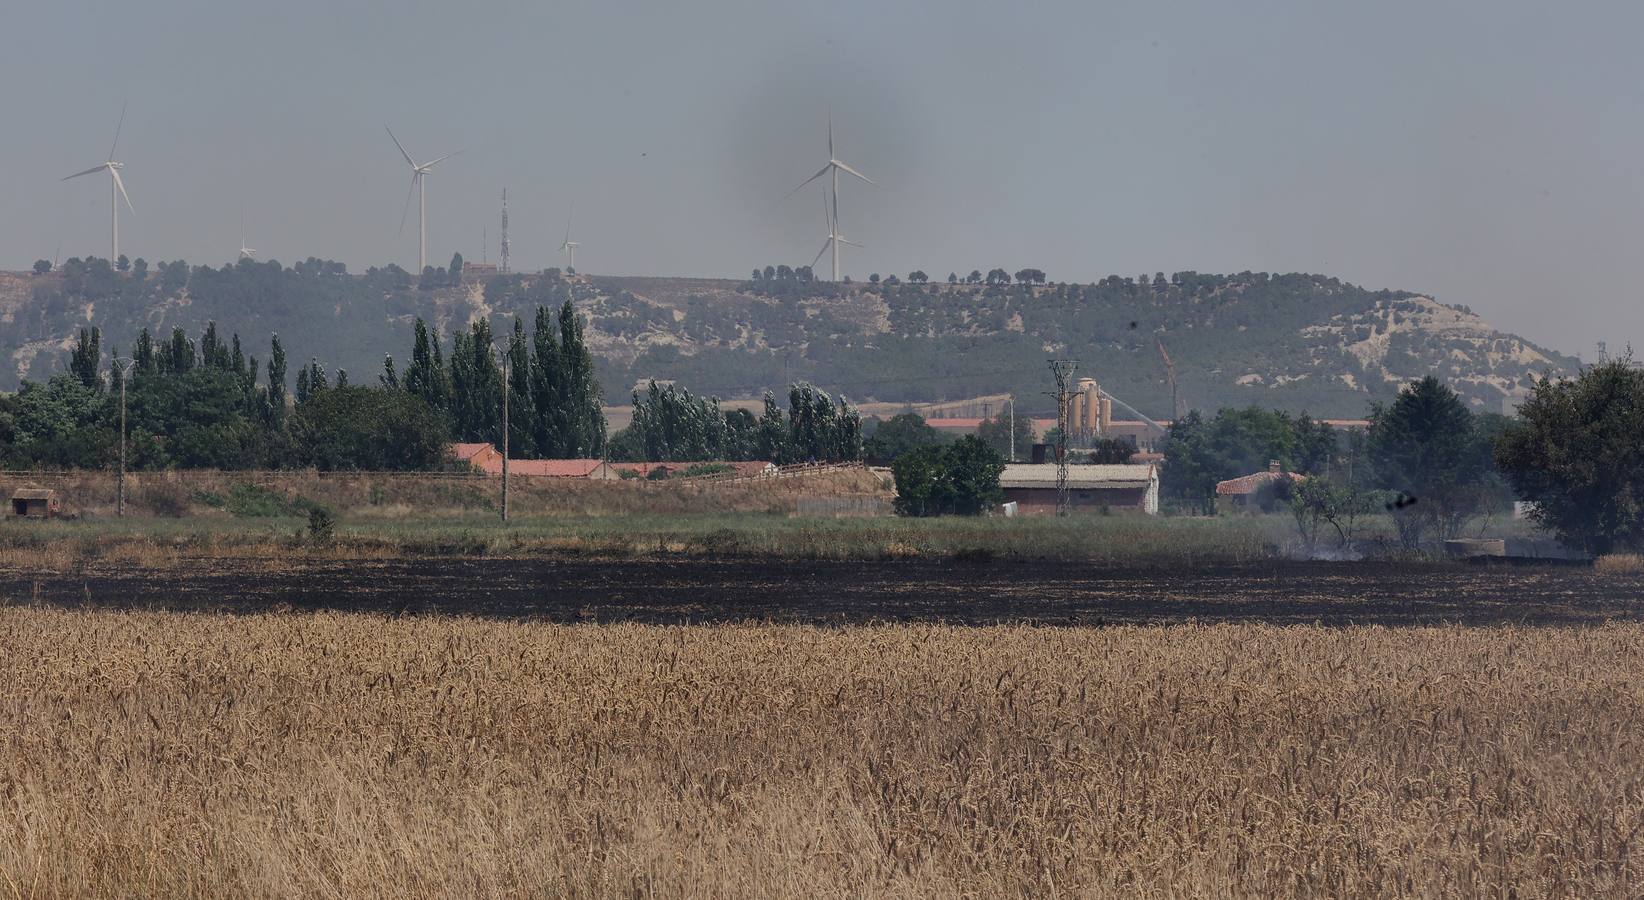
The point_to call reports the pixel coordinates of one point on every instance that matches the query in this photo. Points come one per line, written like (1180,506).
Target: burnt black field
(672,591)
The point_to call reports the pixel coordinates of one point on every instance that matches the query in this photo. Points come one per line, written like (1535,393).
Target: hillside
(1299,342)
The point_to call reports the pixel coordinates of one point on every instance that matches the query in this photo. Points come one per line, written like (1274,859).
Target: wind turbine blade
(808,181)
(399,145)
(830,133)
(407,211)
(86,172)
(122,186)
(568,216)
(117,131)
(827,214)
(845,168)
(848,241)
(820,252)
(429,165)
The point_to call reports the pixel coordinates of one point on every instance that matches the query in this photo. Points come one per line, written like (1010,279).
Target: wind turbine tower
(245,252)
(833,168)
(570,248)
(117,189)
(504,269)
(419,172)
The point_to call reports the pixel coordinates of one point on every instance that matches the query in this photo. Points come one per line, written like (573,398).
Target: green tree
(42,266)
(962,478)
(368,429)
(771,436)
(122,263)
(584,435)
(1199,453)
(86,360)
(973,470)
(1424,446)
(921,485)
(901,434)
(1318,502)
(454,273)
(548,420)
(521,408)
(276,383)
(1577,454)
(996,433)
(1111,451)
(426,377)
(61,424)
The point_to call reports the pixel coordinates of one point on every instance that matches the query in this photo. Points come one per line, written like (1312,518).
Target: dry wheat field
(342,755)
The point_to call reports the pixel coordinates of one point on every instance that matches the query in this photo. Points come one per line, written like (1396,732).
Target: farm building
(1257,492)
(34,503)
(483,457)
(1032,487)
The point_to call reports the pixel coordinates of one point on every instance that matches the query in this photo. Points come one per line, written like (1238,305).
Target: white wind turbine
(117,190)
(569,247)
(245,252)
(833,168)
(418,173)
(834,238)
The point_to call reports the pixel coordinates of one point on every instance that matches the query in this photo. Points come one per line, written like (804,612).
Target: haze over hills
(1299,342)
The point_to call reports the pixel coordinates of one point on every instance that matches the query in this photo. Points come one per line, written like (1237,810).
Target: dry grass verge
(210,494)
(1619,564)
(195,756)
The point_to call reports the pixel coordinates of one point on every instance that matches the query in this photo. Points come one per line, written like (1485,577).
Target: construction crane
(1176,410)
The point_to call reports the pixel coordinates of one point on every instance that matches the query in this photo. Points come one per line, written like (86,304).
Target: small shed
(35,503)
(1032,487)
(1257,492)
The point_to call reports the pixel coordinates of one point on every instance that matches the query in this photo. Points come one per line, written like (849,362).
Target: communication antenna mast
(504,268)
(1062,371)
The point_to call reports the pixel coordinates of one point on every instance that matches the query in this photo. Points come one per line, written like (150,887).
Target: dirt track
(572,590)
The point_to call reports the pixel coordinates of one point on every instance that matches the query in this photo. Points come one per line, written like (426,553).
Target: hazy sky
(1491,154)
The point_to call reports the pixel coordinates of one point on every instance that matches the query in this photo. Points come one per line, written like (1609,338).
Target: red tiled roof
(1249,484)
(468,451)
(955,424)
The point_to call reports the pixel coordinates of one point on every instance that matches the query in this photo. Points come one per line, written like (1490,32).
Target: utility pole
(122,371)
(1012,402)
(1062,371)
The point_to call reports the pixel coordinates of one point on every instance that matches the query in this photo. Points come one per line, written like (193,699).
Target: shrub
(701,469)
(250,501)
(322,526)
(166,499)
